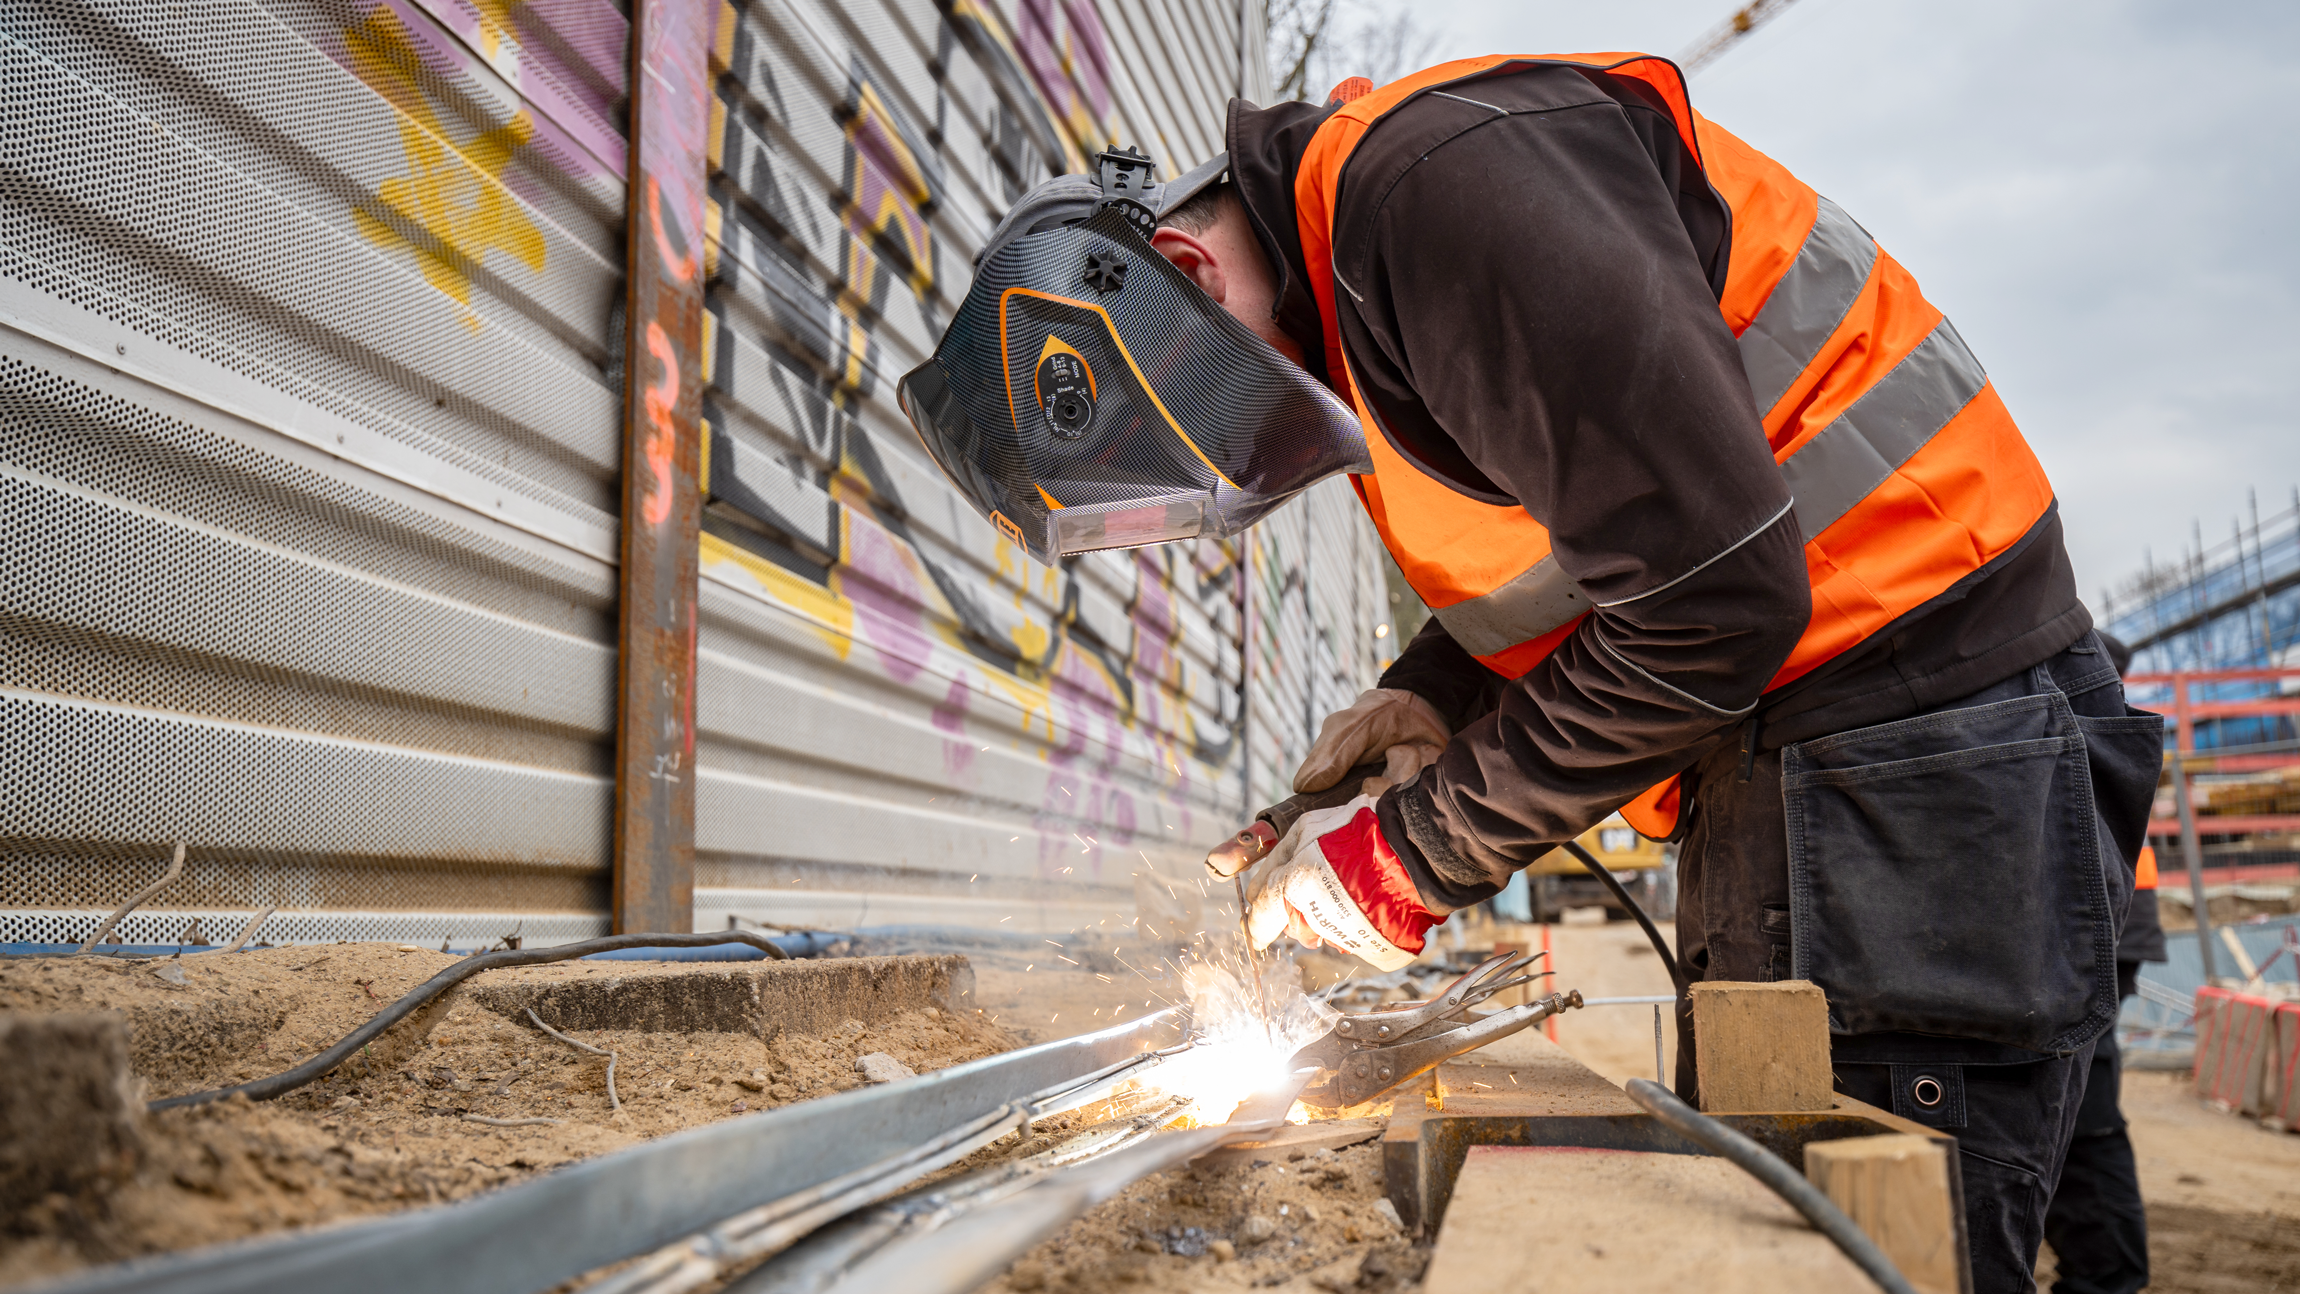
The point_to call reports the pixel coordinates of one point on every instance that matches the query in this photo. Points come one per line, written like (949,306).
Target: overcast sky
(2103,196)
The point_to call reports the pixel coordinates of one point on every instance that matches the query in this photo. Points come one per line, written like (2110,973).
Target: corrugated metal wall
(309,430)
(310,449)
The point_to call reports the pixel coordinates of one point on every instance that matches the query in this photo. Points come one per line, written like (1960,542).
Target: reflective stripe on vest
(1827,476)
(1807,304)
(1540,599)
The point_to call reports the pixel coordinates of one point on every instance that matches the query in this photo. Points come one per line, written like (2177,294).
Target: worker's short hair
(1204,207)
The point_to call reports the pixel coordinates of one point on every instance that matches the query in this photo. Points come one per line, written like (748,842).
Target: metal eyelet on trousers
(1927,1091)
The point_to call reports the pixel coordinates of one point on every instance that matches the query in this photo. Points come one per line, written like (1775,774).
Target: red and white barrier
(2283,1096)
(2234,1052)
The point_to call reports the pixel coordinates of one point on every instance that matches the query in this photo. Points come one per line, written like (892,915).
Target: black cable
(280,1084)
(1785,1181)
(1613,883)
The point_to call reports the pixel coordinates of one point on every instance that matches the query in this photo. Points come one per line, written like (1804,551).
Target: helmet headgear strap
(1129,184)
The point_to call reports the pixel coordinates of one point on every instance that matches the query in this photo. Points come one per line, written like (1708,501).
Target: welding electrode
(1260,836)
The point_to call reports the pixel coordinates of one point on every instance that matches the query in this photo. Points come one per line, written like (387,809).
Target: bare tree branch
(1316,44)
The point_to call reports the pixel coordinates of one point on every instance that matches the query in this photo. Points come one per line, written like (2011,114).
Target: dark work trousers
(1953,881)
(2096,1225)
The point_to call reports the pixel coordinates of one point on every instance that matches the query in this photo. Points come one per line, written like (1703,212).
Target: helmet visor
(1089,395)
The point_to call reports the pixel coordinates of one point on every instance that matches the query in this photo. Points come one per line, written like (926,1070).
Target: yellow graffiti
(1030,700)
(494,24)
(451,209)
(830,616)
(1030,639)
(871,111)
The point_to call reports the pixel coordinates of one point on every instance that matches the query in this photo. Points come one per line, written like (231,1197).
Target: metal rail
(956,1237)
(542,1232)
(697,1261)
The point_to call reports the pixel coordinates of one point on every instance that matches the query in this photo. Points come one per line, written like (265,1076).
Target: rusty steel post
(654,868)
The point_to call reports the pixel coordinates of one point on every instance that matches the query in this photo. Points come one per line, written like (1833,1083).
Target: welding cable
(1613,883)
(1768,1168)
(280,1084)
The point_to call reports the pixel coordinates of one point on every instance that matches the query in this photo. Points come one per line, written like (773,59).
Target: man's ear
(1194,258)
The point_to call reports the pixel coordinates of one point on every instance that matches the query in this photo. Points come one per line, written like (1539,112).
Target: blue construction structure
(2233,605)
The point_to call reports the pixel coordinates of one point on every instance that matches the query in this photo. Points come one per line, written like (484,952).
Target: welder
(1722,524)
(2097,1224)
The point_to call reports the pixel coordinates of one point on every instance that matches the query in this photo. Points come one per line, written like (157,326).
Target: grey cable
(1784,1181)
(288,1080)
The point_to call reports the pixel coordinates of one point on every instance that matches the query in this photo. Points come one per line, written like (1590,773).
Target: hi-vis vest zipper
(1906,471)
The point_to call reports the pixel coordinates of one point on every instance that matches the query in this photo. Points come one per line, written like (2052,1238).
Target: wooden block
(1896,1188)
(1762,1046)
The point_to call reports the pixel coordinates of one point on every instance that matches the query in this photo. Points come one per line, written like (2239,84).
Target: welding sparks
(1220,1072)
(1238,1053)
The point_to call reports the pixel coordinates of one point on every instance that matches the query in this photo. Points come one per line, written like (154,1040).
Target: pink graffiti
(662,432)
(957,752)
(1088,718)
(1049,35)
(883,582)
(570,112)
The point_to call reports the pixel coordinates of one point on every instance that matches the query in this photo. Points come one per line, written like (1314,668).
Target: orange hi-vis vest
(1906,470)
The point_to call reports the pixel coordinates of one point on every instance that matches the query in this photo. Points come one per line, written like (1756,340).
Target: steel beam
(654,870)
(551,1228)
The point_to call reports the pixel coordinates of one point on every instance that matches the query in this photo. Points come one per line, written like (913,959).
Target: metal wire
(280,1084)
(614,1102)
(175,869)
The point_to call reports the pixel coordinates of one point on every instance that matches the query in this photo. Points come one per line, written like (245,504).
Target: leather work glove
(1334,880)
(1397,725)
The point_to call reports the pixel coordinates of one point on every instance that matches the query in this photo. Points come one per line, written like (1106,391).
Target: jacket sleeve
(1532,322)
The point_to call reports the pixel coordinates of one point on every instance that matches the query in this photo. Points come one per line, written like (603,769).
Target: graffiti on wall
(1118,673)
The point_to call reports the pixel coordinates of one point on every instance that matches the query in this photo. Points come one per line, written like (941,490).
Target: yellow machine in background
(1557,880)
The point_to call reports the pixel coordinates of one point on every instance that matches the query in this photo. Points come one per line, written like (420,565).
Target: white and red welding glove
(1334,880)
(1384,723)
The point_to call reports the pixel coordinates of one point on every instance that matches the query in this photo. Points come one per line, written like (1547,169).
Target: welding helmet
(1089,395)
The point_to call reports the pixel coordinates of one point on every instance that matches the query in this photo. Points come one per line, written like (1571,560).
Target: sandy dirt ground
(392,1129)
(1299,1220)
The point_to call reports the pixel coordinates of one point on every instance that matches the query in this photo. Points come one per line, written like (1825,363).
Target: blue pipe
(811,943)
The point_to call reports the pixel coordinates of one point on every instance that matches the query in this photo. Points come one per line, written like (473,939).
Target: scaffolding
(2229,606)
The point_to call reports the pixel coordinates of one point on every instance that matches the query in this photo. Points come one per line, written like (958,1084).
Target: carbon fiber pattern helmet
(1089,395)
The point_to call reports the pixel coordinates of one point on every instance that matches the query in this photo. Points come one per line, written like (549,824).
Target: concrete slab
(1538,1218)
(761,998)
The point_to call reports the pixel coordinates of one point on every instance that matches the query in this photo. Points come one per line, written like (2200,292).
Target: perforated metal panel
(308,445)
(308,438)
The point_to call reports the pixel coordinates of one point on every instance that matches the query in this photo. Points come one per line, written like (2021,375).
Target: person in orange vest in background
(2097,1225)
(1722,524)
